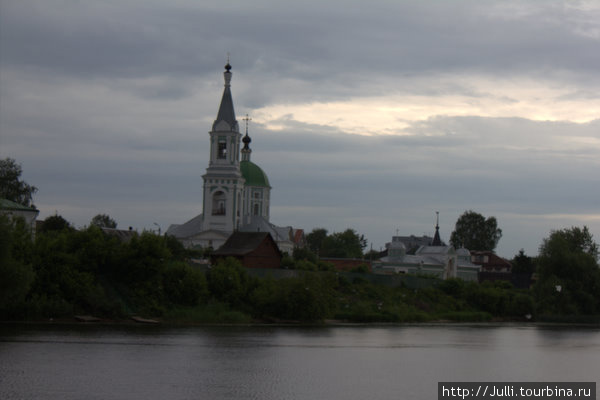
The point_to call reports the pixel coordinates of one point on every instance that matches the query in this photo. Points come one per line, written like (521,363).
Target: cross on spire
(247,119)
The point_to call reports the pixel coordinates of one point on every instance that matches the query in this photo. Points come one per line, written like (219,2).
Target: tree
(103,221)
(11,187)
(16,272)
(347,244)
(302,253)
(575,239)
(55,223)
(568,274)
(522,263)
(315,239)
(475,232)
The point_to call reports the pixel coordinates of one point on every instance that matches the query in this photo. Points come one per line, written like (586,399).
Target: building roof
(494,261)
(6,204)
(463,252)
(226,112)
(122,235)
(253,174)
(190,228)
(242,243)
(258,223)
(441,250)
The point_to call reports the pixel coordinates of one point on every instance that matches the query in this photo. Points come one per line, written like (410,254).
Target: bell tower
(223,181)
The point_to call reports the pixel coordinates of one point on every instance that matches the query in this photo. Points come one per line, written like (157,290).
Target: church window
(256,209)
(222,148)
(219,203)
(257,195)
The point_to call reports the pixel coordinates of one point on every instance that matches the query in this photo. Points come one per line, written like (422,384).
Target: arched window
(256,209)
(219,204)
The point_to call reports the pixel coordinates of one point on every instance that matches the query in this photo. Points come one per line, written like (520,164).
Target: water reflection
(375,362)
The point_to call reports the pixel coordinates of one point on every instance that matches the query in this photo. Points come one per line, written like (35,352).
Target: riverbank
(558,321)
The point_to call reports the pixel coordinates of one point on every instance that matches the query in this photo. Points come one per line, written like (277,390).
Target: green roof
(6,204)
(253,174)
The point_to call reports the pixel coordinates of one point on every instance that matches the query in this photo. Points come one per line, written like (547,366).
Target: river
(267,363)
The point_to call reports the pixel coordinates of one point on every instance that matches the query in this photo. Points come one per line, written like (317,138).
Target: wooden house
(252,249)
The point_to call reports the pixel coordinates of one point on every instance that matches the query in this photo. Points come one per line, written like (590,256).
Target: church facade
(236,191)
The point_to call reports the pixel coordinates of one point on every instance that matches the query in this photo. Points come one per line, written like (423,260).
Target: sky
(364,117)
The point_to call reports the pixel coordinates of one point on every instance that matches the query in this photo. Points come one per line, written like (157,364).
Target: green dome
(253,174)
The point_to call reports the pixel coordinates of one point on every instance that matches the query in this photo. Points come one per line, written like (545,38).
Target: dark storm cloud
(310,42)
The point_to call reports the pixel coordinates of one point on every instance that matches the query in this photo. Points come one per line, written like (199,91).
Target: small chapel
(236,191)
(435,259)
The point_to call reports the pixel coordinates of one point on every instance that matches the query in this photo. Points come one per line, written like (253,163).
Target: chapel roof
(253,174)
(6,204)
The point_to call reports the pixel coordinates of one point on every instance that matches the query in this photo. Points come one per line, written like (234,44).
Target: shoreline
(157,323)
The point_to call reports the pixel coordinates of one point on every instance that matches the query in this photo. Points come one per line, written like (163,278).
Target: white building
(435,259)
(237,191)
(15,210)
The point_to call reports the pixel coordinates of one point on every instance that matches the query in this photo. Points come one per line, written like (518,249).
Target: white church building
(237,191)
(434,259)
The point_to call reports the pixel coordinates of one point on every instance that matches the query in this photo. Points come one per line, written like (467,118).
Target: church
(435,259)
(236,191)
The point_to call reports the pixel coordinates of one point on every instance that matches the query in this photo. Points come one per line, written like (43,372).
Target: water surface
(268,363)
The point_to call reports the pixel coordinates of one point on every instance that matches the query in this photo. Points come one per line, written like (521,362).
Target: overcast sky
(371,117)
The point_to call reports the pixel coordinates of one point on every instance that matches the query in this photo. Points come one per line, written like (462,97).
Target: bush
(306,298)
(184,285)
(228,282)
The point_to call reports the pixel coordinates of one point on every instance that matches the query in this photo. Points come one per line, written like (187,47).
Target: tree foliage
(575,239)
(346,244)
(55,223)
(568,273)
(522,263)
(475,232)
(66,272)
(11,186)
(315,238)
(16,272)
(103,221)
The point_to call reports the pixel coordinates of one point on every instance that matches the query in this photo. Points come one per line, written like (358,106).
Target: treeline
(66,272)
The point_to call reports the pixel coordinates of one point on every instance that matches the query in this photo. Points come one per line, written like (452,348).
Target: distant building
(123,235)
(252,249)
(237,192)
(412,242)
(490,262)
(15,210)
(434,259)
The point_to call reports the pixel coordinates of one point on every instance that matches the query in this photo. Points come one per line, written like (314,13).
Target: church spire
(436,238)
(246,149)
(226,112)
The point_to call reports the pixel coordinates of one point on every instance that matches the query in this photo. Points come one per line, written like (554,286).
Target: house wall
(266,255)
(28,216)
(467,274)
